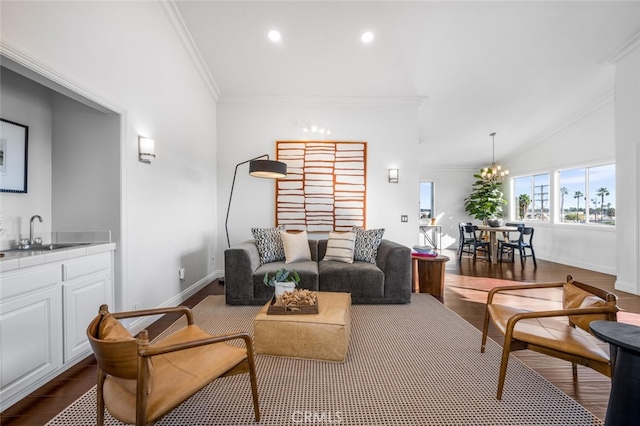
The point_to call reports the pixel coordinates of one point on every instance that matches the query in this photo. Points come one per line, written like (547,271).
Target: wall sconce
(146,148)
(393,175)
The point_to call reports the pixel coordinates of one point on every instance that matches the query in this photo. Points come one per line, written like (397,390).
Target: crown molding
(573,118)
(173,14)
(369,101)
(621,51)
(20,62)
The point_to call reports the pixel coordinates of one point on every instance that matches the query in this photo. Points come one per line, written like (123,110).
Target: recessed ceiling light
(367,37)
(274,35)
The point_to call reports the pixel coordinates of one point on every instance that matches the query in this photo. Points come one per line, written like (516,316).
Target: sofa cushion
(307,270)
(366,244)
(296,246)
(362,279)
(269,243)
(340,247)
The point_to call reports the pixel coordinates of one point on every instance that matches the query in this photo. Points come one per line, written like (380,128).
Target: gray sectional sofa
(386,281)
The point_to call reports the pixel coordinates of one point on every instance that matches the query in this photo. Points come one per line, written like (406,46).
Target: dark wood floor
(466,288)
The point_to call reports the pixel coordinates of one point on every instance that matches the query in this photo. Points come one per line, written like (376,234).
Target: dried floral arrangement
(297,298)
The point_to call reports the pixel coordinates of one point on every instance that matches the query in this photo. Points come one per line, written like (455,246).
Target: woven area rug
(415,364)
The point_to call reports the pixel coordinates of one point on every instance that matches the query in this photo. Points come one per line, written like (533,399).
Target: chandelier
(493,173)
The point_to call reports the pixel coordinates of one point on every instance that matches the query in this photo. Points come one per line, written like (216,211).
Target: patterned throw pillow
(269,243)
(367,242)
(340,247)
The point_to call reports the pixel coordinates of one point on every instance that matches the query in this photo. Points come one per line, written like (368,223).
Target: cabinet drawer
(24,281)
(85,266)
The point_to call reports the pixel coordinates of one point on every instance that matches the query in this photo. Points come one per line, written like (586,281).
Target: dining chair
(473,242)
(524,242)
(461,237)
(507,237)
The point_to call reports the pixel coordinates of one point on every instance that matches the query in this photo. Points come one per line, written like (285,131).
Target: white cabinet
(30,328)
(86,285)
(44,314)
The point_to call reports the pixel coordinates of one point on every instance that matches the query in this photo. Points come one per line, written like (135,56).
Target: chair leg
(485,330)
(533,255)
(521,251)
(100,398)
(506,350)
(254,384)
(574,371)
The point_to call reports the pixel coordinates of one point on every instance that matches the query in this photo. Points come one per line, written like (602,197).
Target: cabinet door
(30,339)
(82,299)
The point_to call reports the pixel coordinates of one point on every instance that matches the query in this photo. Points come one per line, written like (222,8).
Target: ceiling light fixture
(318,130)
(494,173)
(367,37)
(274,36)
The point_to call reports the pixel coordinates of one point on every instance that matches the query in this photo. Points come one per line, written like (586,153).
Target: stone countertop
(24,259)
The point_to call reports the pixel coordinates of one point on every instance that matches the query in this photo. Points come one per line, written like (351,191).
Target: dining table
(493,239)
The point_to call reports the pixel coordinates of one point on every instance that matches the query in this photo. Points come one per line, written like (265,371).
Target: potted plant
(282,280)
(486,199)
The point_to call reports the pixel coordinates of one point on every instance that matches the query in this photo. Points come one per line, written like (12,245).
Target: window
(587,195)
(426,200)
(532,197)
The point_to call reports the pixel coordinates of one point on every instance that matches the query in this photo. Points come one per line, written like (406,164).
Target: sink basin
(47,247)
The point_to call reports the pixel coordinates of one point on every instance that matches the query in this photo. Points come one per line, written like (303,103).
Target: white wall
(128,54)
(86,168)
(25,102)
(250,127)
(628,171)
(589,140)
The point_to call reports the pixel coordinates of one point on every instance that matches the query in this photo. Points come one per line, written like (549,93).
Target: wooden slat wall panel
(325,188)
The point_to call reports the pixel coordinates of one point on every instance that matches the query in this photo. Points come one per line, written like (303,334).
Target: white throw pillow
(296,247)
(340,247)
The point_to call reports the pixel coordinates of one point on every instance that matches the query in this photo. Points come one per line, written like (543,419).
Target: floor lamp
(259,168)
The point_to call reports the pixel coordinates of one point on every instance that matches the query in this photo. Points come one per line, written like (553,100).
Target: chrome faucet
(31,240)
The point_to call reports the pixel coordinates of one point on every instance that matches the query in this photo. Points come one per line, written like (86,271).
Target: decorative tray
(285,305)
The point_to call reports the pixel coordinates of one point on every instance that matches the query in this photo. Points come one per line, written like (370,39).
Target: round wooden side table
(428,275)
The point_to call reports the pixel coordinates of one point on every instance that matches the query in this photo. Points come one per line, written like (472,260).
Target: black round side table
(624,343)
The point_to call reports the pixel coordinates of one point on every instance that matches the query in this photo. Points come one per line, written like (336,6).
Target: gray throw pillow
(269,244)
(366,245)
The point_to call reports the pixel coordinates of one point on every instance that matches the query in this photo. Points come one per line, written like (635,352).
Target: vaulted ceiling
(515,68)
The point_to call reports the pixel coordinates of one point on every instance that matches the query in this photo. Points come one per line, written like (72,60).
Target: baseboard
(603,269)
(626,287)
(176,300)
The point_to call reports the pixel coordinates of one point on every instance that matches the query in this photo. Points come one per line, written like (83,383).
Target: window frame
(554,195)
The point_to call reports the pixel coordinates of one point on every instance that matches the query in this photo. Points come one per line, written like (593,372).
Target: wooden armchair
(549,332)
(139,382)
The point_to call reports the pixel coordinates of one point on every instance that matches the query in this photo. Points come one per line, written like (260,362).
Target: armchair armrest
(240,262)
(146,350)
(493,291)
(394,260)
(561,313)
(155,311)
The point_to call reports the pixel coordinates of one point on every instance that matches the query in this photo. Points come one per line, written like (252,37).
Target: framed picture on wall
(325,188)
(13,156)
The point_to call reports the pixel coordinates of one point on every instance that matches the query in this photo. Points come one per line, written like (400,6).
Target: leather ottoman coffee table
(322,336)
